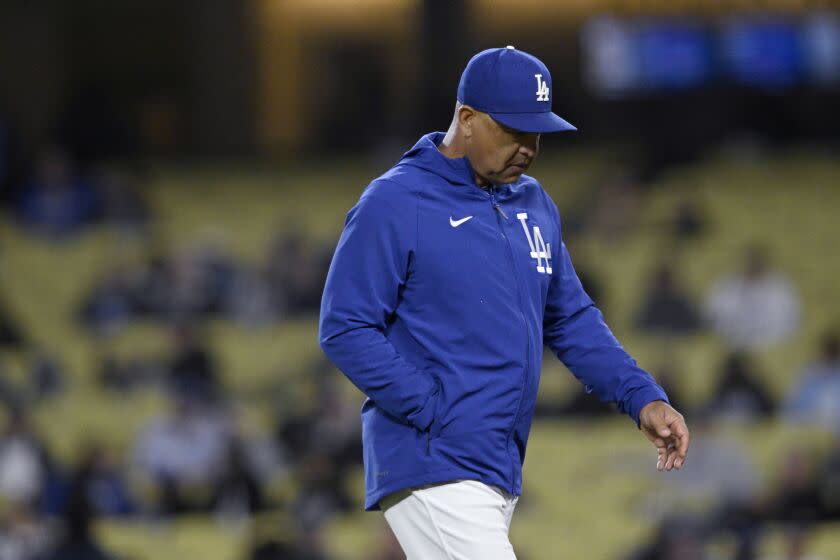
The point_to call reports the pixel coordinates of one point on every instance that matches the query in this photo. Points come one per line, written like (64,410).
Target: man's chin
(511,177)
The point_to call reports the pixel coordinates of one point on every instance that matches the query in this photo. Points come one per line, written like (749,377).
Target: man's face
(497,153)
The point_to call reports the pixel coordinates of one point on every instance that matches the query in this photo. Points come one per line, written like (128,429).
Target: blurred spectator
(193,370)
(200,279)
(274,550)
(10,394)
(130,374)
(756,307)
(329,428)
(22,461)
(190,289)
(113,376)
(667,375)
(113,300)
(218,266)
(101,483)
(10,335)
(203,280)
(388,547)
(76,540)
(815,398)
(667,309)
(297,542)
(195,283)
(123,206)
(296,271)
(678,538)
(795,546)
(46,377)
(335,428)
(250,302)
(325,445)
(273,538)
(154,279)
(796,494)
(308,547)
(321,490)
(617,208)
(311,546)
(182,451)
(689,219)
(57,202)
(588,278)
(23,535)
(828,482)
(238,493)
(739,394)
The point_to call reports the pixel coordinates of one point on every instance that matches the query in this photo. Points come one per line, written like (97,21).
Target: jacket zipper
(524,324)
(496,204)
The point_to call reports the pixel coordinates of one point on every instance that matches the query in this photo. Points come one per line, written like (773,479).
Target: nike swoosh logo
(456,223)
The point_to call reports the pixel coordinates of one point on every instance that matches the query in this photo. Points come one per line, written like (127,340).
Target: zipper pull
(496,204)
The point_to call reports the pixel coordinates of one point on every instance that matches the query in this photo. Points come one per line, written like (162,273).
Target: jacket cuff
(642,398)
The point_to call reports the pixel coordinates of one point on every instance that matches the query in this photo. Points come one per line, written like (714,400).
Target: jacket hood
(426,155)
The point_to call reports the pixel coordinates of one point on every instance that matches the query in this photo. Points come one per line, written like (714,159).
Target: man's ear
(466,119)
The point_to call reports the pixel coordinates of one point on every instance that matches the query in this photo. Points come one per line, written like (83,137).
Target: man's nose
(528,144)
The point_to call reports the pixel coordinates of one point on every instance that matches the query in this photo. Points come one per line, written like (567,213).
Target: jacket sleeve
(574,329)
(370,266)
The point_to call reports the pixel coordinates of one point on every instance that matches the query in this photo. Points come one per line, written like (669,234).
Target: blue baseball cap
(513,87)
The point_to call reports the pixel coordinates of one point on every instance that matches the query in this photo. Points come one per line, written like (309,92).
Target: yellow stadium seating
(579,502)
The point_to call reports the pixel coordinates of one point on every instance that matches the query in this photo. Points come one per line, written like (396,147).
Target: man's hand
(666,428)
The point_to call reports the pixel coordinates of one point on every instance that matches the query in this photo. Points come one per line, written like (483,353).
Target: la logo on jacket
(540,250)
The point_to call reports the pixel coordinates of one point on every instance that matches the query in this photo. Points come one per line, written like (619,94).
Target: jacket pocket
(434,428)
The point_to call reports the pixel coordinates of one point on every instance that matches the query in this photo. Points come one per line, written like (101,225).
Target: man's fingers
(672,459)
(662,455)
(676,455)
(678,444)
(669,457)
(683,440)
(663,449)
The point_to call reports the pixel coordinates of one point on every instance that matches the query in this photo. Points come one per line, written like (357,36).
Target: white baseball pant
(462,520)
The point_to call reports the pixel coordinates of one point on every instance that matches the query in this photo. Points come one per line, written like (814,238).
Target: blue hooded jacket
(438,302)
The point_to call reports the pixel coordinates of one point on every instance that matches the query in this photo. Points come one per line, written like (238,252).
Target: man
(756,307)
(448,279)
(815,397)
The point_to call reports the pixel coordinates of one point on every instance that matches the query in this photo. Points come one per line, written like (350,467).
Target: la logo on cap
(542,88)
